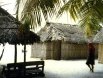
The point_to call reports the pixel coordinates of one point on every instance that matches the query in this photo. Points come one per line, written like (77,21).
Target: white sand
(56,68)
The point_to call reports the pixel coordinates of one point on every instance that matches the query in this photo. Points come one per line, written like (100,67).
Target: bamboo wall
(61,50)
(38,50)
(100,53)
(53,50)
(75,51)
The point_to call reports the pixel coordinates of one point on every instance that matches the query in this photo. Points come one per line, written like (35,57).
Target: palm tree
(88,12)
(35,10)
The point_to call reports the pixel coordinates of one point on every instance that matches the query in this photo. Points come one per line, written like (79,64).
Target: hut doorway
(53,50)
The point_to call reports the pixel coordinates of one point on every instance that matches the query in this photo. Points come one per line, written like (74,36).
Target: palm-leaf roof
(99,37)
(59,31)
(8,26)
(9,30)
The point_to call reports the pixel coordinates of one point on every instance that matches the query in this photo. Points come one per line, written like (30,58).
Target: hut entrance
(53,50)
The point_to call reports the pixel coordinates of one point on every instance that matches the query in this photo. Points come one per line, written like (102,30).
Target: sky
(8,5)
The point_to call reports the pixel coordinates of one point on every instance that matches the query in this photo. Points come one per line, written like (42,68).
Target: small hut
(14,32)
(8,28)
(60,41)
(99,39)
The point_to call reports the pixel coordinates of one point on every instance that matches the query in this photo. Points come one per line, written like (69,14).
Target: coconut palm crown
(35,10)
(88,12)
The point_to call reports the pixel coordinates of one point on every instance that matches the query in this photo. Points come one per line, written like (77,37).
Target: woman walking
(91,57)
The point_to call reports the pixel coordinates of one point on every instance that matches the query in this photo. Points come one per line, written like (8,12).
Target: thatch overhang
(59,31)
(28,38)
(99,37)
(8,27)
(9,30)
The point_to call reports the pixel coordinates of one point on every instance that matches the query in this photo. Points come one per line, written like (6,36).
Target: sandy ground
(71,69)
(56,68)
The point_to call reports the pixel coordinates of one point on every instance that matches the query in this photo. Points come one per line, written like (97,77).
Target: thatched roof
(6,20)
(9,30)
(8,26)
(28,37)
(99,37)
(58,31)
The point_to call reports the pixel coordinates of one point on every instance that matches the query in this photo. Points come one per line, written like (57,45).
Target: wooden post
(15,55)
(24,52)
(24,59)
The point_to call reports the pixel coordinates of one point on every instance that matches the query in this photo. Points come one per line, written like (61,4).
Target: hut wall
(100,53)
(38,50)
(75,51)
(96,50)
(53,50)
(60,50)
(49,49)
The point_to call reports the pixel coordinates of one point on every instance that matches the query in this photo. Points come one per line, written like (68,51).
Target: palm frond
(73,7)
(38,7)
(91,17)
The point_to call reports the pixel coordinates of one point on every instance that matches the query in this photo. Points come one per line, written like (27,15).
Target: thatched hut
(14,32)
(8,28)
(61,41)
(99,39)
